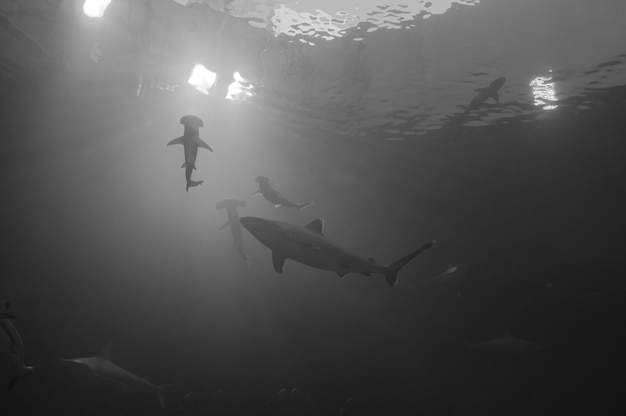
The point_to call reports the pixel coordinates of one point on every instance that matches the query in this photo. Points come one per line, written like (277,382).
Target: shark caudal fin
(24,371)
(304,205)
(169,392)
(191,184)
(391,275)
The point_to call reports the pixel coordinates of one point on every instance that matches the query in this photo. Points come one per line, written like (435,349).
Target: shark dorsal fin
(317,226)
(105,352)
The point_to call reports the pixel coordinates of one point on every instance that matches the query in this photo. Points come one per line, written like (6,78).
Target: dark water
(101,242)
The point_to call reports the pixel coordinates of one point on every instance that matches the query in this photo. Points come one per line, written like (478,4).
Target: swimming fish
(191,141)
(308,245)
(273,196)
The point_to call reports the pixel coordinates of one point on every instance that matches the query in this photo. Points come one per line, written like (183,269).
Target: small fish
(273,196)
(231,205)
(11,346)
(507,345)
(191,141)
(484,94)
(308,245)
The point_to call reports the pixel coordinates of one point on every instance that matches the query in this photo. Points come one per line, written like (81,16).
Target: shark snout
(253,224)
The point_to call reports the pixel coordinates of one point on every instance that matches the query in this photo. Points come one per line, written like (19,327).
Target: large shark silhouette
(102,366)
(308,245)
(484,94)
(231,206)
(273,196)
(12,347)
(191,141)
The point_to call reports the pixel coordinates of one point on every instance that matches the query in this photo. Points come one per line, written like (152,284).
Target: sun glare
(240,89)
(95,8)
(202,79)
(543,92)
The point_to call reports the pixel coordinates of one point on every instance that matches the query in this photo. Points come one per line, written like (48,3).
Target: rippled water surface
(382,113)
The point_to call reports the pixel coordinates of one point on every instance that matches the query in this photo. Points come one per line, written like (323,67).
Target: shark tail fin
(167,392)
(391,275)
(303,205)
(24,371)
(192,184)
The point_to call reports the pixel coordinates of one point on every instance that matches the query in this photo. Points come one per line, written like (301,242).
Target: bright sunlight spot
(95,8)
(240,89)
(202,79)
(543,92)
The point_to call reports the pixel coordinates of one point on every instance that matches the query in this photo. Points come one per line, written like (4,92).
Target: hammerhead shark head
(484,94)
(191,141)
(236,231)
(273,196)
(11,345)
(308,245)
(102,366)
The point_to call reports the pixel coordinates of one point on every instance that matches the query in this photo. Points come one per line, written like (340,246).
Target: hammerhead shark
(308,245)
(484,94)
(236,231)
(273,196)
(11,345)
(191,141)
(102,366)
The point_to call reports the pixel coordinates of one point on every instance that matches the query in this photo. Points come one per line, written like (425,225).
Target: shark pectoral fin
(226,224)
(303,205)
(257,193)
(183,165)
(178,140)
(203,144)
(278,260)
(494,95)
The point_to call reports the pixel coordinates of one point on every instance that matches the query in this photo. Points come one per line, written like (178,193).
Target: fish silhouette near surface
(231,205)
(191,141)
(308,245)
(273,196)
(484,94)
(507,345)
(12,348)
(102,366)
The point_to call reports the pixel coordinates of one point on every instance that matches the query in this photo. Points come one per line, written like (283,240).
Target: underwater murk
(237,207)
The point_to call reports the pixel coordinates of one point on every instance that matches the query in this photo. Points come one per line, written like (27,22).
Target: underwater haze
(495,128)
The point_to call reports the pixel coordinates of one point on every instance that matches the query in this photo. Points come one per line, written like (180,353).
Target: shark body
(102,366)
(191,141)
(231,205)
(308,245)
(11,346)
(484,94)
(273,196)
